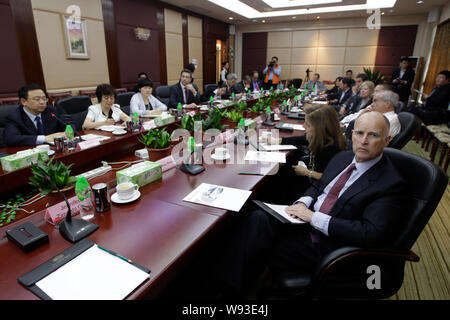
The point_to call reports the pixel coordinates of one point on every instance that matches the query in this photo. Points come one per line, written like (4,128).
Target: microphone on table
(66,123)
(72,229)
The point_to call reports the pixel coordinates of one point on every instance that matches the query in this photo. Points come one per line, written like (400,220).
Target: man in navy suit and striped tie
(33,122)
(184,92)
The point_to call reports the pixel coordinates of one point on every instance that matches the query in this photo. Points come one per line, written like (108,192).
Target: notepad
(93,275)
(278,211)
(219,197)
(262,156)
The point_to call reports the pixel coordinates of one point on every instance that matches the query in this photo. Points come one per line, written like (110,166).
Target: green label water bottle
(179,109)
(284,105)
(135,117)
(69,132)
(268,112)
(83,192)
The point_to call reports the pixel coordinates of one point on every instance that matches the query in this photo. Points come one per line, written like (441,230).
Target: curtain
(440,56)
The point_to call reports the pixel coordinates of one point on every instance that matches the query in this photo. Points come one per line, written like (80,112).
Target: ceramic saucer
(51,152)
(220,158)
(115,198)
(119,132)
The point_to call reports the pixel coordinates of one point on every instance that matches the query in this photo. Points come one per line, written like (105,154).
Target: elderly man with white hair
(383,102)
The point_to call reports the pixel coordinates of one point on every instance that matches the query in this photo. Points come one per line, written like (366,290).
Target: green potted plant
(233,117)
(58,174)
(187,122)
(214,119)
(375,76)
(158,143)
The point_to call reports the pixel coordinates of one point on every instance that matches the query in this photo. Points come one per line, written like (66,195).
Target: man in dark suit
(32,123)
(434,109)
(333,93)
(402,80)
(242,86)
(184,92)
(255,84)
(344,94)
(357,202)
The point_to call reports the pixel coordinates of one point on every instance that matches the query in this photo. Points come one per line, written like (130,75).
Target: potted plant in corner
(58,174)
(158,143)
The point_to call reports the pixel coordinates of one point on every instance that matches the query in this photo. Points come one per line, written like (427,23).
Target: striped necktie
(39,125)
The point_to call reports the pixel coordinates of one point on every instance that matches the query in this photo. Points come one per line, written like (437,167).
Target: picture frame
(75,37)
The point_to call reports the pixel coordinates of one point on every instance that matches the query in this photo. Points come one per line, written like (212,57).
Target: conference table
(159,230)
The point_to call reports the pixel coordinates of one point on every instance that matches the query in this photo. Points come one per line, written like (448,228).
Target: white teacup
(45,147)
(126,190)
(221,153)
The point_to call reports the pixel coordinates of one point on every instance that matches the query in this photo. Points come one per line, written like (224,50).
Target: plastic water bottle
(283,108)
(211,100)
(70,136)
(83,192)
(179,110)
(233,96)
(268,112)
(241,131)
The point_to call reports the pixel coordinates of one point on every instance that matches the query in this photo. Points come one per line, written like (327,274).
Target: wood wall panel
(254,52)
(12,75)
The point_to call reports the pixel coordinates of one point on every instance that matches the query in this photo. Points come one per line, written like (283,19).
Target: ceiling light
(382,13)
(297,3)
(318,17)
(230,18)
(294,17)
(419,2)
(248,12)
(264,21)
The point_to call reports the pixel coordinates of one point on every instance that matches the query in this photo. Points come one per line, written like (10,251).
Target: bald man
(357,202)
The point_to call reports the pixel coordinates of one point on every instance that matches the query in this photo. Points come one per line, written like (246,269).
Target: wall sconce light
(218,44)
(142,33)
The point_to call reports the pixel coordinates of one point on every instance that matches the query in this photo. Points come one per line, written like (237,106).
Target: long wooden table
(159,230)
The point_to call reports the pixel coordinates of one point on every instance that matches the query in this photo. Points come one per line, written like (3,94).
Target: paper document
(110,128)
(281,210)
(265,156)
(320,102)
(277,147)
(293,126)
(93,275)
(91,136)
(219,197)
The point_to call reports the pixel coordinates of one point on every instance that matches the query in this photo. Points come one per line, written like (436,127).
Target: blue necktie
(40,128)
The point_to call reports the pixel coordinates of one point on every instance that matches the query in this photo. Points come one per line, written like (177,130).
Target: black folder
(299,116)
(271,212)
(280,127)
(29,280)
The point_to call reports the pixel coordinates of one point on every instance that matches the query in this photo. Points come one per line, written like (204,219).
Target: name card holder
(87,144)
(167,163)
(58,212)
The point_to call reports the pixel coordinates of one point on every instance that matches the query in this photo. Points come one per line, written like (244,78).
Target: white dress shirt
(39,139)
(395,125)
(137,104)
(95,113)
(320,221)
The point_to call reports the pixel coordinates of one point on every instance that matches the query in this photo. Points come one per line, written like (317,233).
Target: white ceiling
(206,8)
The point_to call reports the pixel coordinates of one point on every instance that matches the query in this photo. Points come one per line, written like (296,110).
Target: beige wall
(328,47)
(445,13)
(174,45)
(328,52)
(195,33)
(60,73)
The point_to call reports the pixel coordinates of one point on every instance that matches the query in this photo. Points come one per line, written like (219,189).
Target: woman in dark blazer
(323,140)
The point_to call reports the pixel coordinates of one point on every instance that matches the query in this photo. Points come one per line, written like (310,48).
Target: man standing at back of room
(273,74)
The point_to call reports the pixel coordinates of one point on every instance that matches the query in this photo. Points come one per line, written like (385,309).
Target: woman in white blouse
(143,102)
(105,112)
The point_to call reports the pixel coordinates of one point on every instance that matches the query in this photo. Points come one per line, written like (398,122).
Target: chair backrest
(74,109)
(126,109)
(54,97)
(297,82)
(7,100)
(4,111)
(123,98)
(400,107)
(162,93)
(426,184)
(409,125)
(121,90)
(211,86)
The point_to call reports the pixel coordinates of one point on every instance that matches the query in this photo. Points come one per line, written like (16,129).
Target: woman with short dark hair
(143,102)
(106,112)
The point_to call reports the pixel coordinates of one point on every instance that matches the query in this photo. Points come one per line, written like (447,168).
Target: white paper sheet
(110,128)
(91,136)
(219,197)
(278,147)
(93,275)
(263,156)
(294,126)
(281,210)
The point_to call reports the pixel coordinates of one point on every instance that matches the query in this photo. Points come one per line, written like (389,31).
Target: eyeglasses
(371,135)
(38,99)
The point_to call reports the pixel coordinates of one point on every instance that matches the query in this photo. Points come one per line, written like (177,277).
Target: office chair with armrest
(409,125)
(208,91)
(297,82)
(74,110)
(162,93)
(345,272)
(123,98)
(4,111)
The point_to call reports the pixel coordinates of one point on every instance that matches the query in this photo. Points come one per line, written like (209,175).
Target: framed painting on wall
(75,36)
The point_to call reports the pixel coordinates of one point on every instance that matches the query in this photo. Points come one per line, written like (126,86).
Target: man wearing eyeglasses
(357,202)
(32,123)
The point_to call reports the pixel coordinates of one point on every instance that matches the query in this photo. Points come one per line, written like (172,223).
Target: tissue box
(160,121)
(22,159)
(141,174)
(250,124)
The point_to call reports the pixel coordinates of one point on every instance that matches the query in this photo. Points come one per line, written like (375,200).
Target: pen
(115,254)
(250,173)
